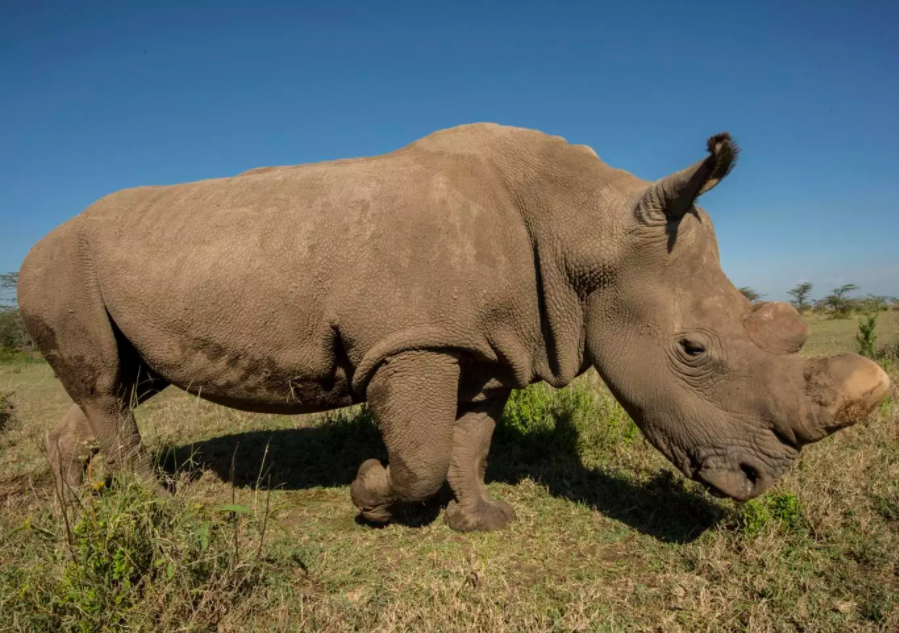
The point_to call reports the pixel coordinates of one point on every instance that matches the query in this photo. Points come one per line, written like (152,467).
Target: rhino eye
(691,348)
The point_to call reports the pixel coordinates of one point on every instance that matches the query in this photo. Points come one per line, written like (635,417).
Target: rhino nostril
(752,474)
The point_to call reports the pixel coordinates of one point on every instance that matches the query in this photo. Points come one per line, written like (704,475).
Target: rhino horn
(848,388)
(776,327)
(668,199)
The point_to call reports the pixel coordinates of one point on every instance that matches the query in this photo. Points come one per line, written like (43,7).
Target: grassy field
(260,534)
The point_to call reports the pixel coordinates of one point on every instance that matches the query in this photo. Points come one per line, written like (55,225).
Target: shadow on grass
(329,455)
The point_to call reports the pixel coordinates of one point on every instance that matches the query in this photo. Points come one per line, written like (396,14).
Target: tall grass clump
(129,560)
(7,410)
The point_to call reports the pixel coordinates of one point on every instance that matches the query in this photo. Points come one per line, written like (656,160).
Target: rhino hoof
(370,492)
(484,515)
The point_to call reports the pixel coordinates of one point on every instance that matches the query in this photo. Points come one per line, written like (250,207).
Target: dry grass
(609,538)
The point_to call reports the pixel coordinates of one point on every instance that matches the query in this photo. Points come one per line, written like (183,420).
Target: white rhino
(430,282)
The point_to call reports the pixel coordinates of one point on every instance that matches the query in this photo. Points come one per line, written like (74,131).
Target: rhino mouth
(741,483)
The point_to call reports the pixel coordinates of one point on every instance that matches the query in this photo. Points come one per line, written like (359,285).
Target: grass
(260,534)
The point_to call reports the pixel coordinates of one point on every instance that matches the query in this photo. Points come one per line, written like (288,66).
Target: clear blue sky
(101,96)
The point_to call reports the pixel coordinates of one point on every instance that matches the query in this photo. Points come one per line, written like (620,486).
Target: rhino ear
(668,199)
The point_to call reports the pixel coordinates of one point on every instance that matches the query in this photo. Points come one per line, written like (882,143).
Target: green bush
(576,419)
(130,560)
(867,335)
(779,510)
(13,335)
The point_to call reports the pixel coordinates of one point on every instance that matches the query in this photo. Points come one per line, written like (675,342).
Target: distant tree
(800,294)
(750,294)
(13,335)
(874,303)
(839,303)
(8,284)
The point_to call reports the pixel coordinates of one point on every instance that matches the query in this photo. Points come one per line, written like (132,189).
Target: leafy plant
(782,511)
(867,335)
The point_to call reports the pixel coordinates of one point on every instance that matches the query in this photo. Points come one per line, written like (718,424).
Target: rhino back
(298,275)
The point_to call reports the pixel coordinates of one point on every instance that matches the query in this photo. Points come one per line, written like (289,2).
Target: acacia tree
(839,303)
(800,294)
(750,294)
(8,283)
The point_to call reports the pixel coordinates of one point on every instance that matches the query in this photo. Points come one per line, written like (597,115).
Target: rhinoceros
(429,282)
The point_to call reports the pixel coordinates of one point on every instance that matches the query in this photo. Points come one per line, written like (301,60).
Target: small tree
(839,303)
(750,294)
(867,335)
(800,295)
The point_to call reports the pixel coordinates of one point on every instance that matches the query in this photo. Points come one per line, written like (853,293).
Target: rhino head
(713,381)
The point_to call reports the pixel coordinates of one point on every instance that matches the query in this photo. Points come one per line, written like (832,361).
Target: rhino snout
(741,483)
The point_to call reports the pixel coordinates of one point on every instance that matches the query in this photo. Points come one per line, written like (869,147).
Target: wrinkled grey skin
(430,282)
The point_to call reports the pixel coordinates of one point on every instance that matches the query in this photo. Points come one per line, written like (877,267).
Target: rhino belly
(241,346)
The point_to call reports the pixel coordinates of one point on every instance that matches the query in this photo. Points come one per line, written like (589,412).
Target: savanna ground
(260,533)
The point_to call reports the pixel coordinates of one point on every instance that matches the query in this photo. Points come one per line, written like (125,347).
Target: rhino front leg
(473,508)
(414,397)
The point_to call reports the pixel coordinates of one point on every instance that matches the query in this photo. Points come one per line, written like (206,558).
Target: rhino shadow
(329,455)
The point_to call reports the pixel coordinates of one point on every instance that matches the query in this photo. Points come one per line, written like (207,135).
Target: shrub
(867,335)
(779,510)
(7,410)
(131,560)
(578,418)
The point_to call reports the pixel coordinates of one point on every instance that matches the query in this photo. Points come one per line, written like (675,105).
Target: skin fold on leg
(414,398)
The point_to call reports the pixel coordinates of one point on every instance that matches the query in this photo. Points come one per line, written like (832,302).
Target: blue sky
(101,96)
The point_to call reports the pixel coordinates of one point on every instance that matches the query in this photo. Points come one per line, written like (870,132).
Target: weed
(867,335)
(131,560)
(753,517)
(777,510)
(888,506)
(785,508)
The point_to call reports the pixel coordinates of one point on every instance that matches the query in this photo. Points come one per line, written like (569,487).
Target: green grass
(837,336)
(260,534)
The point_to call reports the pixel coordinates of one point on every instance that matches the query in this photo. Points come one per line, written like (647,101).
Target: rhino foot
(370,492)
(482,515)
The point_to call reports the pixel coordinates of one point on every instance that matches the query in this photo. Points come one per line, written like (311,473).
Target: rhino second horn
(776,327)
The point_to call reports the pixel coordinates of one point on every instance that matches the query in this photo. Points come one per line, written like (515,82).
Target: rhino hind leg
(414,397)
(65,314)
(473,508)
(68,447)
